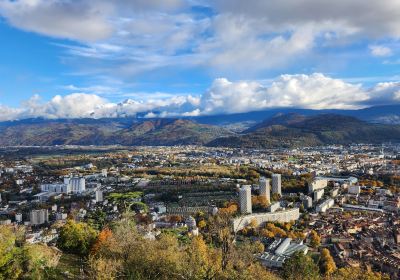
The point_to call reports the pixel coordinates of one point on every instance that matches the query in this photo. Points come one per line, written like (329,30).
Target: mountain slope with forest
(282,130)
(295,130)
(108,132)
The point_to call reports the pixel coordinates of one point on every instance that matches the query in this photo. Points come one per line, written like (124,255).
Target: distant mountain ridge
(108,132)
(386,114)
(282,129)
(295,130)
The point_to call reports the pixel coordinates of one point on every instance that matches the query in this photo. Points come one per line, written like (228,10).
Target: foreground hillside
(294,130)
(108,132)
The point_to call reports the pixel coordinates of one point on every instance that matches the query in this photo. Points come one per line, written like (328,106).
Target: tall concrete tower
(245,199)
(277,183)
(99,196)
(265,189)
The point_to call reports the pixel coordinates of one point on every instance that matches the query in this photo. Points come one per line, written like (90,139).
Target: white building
(245,199)
(19,181)
(61,216)
(18,217)
(307,201)
(277,184)
(78,184)
(99,196)
(335,192)
(318,195)
(274,206)
(317,184)
(70,185)
(39,217)
(279,251)
(354,189)
(321,208)
(56,188)
(282,216)
(265,189)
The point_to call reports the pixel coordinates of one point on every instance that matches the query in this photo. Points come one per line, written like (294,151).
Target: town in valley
(343,199)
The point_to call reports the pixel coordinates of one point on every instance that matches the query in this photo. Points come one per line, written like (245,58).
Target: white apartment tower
(265,188)
(77,184)
(245,199)
(277,183)
(99,196)
(39,217)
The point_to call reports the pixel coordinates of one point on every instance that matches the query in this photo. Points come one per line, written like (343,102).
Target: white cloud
(122,39)
(364,17)
(377,50)
(315,91)
(384,93)
(241,44)
(79,20)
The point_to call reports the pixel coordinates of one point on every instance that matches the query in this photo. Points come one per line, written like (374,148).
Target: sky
(167,58)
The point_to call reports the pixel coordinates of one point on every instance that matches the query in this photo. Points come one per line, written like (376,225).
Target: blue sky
(62,58)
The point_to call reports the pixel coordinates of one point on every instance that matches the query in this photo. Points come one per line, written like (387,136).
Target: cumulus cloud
(384,93)
(377,50)
(315,91)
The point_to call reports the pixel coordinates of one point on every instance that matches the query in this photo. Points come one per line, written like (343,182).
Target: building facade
(245,199)
(277,184)
(265,189)
(39,217)
(283,216)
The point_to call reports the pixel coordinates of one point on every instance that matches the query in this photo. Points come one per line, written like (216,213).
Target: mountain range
(128,132)
(271,128)
(295,130)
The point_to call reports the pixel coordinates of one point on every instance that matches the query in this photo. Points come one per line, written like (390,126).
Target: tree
(222,236)
(10,255)
(97,219)
(259,202)
(19,260)
(315,239)
(102,238)
(253,175)
(326,263)
(276,197)
(356,273)
(300,267)
(76,238)
(202,262)
(253,223)
(230,209)
(202,224)
(175,219)
(40,261)
(126,254)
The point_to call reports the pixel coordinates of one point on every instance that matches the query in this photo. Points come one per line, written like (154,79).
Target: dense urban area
(189,212)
